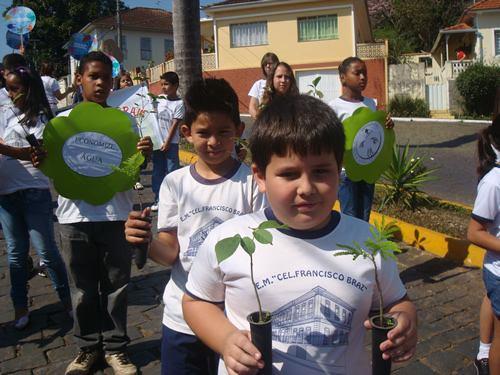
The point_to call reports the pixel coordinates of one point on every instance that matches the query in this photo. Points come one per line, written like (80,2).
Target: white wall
(487,23)
(134,48)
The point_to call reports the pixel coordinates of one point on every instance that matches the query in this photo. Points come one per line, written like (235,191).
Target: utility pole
(118,25)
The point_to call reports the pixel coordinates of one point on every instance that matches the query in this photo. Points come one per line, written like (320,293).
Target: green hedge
(405,106)
(477,85)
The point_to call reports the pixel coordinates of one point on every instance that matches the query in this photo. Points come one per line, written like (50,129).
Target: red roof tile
(460,26)
(140,18)
(486,4)
(230,2)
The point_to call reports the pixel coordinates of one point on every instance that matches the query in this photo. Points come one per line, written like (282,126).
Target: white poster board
(136,102)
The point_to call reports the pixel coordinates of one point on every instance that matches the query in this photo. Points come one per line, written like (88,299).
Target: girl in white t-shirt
(268,62)
(484,231)
(51,86)
(25,201)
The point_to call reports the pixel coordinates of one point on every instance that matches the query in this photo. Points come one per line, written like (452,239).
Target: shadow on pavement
(431,271)
(457,142)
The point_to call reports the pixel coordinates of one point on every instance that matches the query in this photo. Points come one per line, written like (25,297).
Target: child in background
(96,252)
(280,82)
(51,86)
(125,80)
(267,64)
(194,200)
(297,145)
(484,231)
(25,200)
(170,115)
(355,197)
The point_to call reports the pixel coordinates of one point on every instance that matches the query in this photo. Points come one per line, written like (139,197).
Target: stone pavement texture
(447,297)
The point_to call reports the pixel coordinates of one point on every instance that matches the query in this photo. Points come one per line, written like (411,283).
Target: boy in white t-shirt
(193,201)
(170,115)
(319,302)
(96,253)
(355,197)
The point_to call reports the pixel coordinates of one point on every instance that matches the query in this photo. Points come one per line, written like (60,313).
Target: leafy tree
(56,21)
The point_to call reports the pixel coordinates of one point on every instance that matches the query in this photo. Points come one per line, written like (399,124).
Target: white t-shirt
(344,109)
(257,90)
(168,110)
(194,206)
(77,211)
(51,86)
(17,174)
(318,301)
(487,210)
(4,99)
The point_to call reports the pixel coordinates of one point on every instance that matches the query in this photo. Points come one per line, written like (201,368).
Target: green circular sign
(368,145)
(91,154)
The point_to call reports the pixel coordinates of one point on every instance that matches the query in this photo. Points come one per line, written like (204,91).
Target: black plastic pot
(141,251)
(262,338)
(380,366)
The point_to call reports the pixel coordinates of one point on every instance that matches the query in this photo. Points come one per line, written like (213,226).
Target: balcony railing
(207,63)
(372,50)
(458,67)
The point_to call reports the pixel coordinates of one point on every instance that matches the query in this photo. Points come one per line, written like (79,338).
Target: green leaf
(226,247)
(263,236)
(271,224)
(316,81)
(248,245)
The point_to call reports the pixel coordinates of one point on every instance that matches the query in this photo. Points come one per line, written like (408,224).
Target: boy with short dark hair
(319,302)
(170,115)
(194,200)
(95,250)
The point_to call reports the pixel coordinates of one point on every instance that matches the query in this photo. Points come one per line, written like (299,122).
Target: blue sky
(4,4)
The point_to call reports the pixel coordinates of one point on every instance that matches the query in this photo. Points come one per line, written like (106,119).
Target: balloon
(14,40)
(20,20)
(116,66)
(79,45)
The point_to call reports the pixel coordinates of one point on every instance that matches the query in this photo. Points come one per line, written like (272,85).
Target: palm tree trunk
(187,44)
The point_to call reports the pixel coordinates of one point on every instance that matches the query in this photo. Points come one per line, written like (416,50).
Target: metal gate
(437,96)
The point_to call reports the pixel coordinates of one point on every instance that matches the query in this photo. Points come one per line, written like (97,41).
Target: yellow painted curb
(439,244)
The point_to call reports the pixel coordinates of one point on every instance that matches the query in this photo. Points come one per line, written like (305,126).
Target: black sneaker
(482,366)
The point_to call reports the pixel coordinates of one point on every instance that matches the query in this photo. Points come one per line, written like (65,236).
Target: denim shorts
(492,284)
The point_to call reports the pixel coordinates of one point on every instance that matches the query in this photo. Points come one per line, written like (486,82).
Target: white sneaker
(138,186)
(83,362)
(121,364)
(154,207)
(22,322)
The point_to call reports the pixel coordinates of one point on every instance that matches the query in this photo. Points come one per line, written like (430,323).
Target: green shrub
(477,85)
(406,106)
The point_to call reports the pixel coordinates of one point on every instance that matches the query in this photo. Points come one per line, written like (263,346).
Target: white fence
(437,96)
(208,62)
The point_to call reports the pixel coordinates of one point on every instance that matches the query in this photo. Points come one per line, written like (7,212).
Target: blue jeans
(27,215)
(183,354)
(356,197)
(163,164)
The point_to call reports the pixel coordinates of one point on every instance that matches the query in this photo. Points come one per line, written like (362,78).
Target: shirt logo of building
(199,236)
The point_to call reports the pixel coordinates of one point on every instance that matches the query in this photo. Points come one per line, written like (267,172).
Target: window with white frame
(318,28)
(248,34)
(497,42)
(168,45)
(146,53)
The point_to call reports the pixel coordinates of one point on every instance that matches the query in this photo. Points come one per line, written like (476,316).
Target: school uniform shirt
(318,301)
(257,89)
(168,110)
(4,99)
(50,85)
(344,108)
(194,206)
(17,174)
(487,210)
(77,211)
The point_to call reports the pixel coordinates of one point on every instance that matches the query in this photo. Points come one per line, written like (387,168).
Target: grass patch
(436,215)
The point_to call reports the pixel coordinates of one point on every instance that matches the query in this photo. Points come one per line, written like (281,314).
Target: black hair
(211,95)
(489,136)
(46,69)
(300,124)
(170,77)
(35,100)
(344,65)
(268,58)
(94,56)
(13,60)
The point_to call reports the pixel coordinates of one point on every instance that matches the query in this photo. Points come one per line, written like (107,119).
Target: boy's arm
(208,322)
(401,340)
(21,153)
(171,133)
(478,234)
